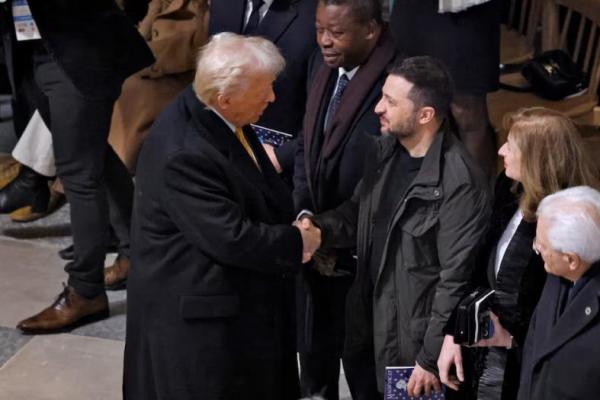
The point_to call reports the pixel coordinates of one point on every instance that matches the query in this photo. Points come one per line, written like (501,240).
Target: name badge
(25,27)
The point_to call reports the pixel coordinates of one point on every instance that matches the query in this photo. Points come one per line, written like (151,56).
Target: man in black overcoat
(561,353)
(210,307)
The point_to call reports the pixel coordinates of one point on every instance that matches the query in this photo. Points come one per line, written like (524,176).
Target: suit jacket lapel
(278,18)
(579,312)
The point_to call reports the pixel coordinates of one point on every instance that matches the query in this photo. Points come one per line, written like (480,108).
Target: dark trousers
(80,126)
(320,374)
(321,311)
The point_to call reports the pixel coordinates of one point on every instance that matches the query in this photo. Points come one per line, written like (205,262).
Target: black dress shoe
(28,189)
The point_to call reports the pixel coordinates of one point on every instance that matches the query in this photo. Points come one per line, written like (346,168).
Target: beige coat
(174,31)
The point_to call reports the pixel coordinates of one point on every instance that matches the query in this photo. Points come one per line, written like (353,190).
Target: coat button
(588,310)
(436,193)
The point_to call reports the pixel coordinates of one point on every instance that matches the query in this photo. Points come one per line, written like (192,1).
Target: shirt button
(436,193)
(588,310)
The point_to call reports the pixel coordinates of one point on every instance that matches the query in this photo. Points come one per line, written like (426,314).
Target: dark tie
(336,99)
(254,19)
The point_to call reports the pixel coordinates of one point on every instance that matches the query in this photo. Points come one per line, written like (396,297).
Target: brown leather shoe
(115,276)
(69,311)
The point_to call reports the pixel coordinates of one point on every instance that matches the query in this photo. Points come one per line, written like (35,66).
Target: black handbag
(554,76)
(473,321)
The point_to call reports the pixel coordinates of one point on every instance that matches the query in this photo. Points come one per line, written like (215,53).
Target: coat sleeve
(201,203)
(301,192)
(463,220)
(339,226)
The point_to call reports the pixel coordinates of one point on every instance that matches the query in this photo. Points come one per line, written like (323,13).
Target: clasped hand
(311,238)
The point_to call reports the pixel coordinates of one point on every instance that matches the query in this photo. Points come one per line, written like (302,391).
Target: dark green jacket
(428,254)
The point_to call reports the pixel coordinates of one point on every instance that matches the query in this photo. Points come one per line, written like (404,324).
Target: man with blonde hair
(210,302)
(561,354)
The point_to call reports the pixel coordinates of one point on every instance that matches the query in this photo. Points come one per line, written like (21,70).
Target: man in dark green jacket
(416,218)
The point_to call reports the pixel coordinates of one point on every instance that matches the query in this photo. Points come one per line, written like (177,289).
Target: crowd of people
(254,270)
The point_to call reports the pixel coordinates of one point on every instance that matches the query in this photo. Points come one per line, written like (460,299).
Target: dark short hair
(363,11)
(432,84)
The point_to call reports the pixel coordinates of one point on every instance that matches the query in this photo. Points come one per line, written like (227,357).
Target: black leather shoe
(28,189)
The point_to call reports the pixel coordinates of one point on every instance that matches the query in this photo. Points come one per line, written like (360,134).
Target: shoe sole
(88,319)
(26,214)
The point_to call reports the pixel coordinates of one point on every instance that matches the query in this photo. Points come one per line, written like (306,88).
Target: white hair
(225,62)
(573,217)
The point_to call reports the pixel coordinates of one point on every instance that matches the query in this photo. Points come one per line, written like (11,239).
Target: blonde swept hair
(224,64)
(553,156)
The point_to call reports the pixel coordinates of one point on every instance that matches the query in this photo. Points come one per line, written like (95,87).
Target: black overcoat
(210,291)
(561,355)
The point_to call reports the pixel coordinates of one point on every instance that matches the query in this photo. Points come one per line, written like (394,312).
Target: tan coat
(174,31)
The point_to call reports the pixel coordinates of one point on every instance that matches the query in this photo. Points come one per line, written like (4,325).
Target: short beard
(406,129)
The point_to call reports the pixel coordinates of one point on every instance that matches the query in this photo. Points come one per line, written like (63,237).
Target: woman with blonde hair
(544,153)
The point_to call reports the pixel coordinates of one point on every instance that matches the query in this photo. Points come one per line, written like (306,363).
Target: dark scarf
(357,90)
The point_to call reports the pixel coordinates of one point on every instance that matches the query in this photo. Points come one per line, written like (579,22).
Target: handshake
(311,238)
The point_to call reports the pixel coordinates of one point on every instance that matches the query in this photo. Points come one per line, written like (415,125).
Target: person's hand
(450,355)
(422,381)
(270,150)
(311,238)
(500,338)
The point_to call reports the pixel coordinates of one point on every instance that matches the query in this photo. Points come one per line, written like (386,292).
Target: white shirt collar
(350,74)
(263,9)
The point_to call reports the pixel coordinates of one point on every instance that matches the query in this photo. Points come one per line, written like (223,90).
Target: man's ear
(223,101)
(426,115)
(371,29)
(574,261)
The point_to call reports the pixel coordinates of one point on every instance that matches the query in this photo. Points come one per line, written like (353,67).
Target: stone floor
(84,364)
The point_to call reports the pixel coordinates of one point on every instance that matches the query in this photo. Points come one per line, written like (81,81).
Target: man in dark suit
(561,354)
(345,80)
(290,25)
(78,59)
(211,286)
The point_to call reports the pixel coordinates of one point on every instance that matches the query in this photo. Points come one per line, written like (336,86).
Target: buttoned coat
(561,355)
(428,253)
(210,290)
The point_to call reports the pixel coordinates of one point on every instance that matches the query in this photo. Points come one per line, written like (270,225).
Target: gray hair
(573,217)
(225,61)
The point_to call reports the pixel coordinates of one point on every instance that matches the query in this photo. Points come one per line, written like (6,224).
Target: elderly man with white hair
(561,358)
(211,286)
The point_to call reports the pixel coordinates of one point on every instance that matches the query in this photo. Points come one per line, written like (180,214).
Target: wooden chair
(561,19)
(517,35)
